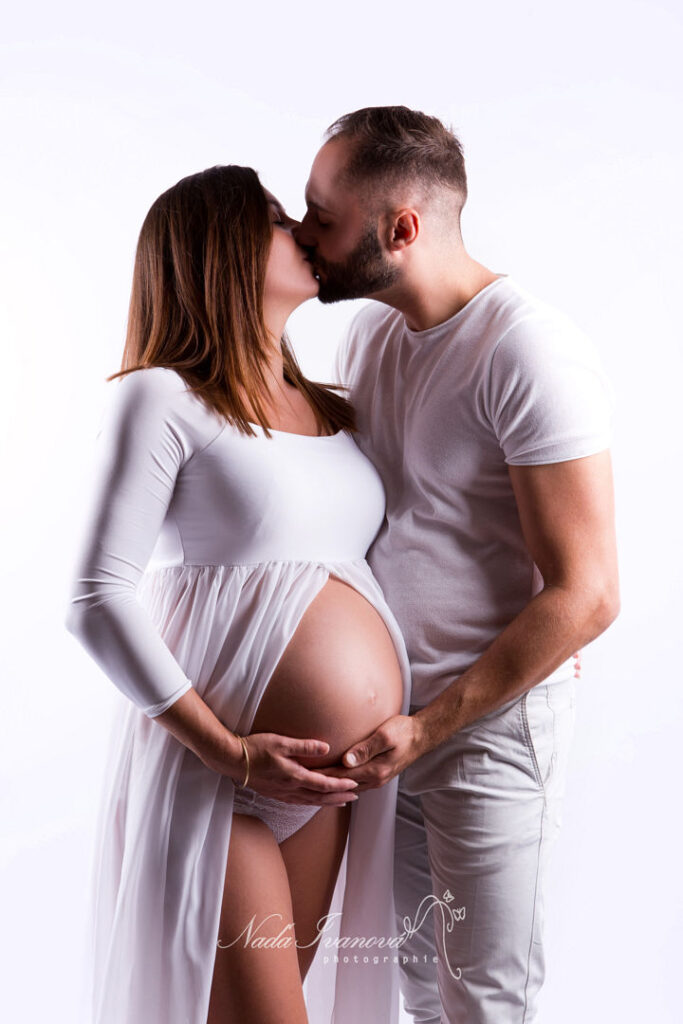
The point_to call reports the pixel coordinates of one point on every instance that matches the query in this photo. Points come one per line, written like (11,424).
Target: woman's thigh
(312,858)
(256,977)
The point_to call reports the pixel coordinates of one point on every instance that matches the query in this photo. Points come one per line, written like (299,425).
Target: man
(487,415)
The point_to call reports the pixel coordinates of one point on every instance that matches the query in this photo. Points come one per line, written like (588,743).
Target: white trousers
(476,820)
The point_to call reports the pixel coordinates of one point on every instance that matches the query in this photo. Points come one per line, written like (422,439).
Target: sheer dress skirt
(164,825)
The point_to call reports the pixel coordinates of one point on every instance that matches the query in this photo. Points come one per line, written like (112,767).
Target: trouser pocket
(528,738)
(546,715)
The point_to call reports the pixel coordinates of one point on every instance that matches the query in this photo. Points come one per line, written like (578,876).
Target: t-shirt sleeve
(140,449)
(548,398)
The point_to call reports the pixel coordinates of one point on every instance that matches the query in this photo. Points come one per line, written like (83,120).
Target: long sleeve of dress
(146,438)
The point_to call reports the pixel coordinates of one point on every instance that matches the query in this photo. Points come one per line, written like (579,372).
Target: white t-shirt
(441,412)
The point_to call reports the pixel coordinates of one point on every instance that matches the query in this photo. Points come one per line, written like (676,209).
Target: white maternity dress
(202,549)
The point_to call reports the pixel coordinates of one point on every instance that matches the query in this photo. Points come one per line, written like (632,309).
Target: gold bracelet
(241,785)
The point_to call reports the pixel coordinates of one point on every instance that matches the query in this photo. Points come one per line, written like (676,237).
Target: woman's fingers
(308,796)
(302,748)
(277,772)
(319,783)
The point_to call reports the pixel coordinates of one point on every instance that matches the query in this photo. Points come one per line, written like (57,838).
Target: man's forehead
(323,188)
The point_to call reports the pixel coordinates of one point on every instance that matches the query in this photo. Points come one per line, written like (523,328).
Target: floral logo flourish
(449,916)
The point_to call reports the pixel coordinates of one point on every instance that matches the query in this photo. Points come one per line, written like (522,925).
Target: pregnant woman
(221,585)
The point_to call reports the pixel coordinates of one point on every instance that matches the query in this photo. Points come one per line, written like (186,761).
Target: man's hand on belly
(382,755)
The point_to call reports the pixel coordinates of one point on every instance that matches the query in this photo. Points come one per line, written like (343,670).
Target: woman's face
(289,274)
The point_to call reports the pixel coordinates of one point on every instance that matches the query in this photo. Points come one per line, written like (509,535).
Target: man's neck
(435,294)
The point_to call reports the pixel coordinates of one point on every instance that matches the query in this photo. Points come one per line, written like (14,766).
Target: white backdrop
(570,118)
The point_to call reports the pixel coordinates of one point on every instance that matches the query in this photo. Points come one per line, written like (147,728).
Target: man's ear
(403,227)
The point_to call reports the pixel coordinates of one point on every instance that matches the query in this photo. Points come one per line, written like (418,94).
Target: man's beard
(364,271)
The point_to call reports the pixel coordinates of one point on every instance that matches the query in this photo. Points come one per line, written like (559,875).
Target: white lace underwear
(281,818)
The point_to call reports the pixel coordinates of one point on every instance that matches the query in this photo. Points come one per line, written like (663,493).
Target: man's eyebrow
(311,202)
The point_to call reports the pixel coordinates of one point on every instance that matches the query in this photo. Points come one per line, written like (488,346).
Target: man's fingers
(367,776)
(363,752)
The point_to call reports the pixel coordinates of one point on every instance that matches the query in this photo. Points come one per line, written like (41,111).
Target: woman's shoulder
(150,382)
(152,396)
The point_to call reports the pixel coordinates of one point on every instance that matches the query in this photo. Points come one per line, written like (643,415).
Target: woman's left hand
(386,752)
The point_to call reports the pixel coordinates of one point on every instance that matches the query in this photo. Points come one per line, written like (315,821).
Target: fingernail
(351,759)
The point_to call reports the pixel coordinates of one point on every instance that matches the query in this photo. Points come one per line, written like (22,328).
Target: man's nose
(302,235)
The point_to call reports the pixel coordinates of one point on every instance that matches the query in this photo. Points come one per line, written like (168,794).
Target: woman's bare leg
(312,857)
(256,985)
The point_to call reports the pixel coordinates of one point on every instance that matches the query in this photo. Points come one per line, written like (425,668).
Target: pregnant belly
(338,678)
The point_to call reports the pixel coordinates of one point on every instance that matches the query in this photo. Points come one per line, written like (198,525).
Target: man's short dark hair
(396,145)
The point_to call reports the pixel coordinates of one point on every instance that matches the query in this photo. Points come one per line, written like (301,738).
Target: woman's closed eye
(282,220)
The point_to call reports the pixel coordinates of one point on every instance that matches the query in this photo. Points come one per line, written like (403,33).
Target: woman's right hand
(273,768)
(275,771)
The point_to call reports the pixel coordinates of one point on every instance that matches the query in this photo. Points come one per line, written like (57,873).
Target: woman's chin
(308,293)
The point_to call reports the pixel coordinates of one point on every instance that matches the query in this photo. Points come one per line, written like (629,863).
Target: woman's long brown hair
(196,303)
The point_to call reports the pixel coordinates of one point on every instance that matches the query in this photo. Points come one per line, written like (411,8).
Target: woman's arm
(142,446)
(140,451)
